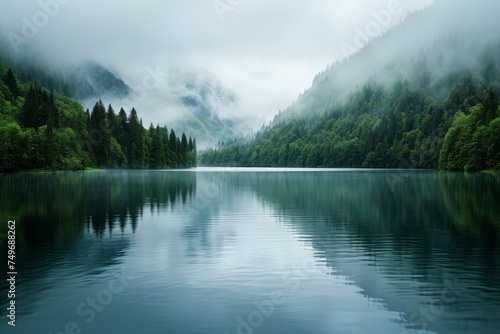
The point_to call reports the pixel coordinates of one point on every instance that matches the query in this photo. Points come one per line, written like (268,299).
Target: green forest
(361,135)
(41,130)
(437,111)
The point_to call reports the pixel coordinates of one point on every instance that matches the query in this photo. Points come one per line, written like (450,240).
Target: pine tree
(195,152)
(29,108)
(12,83)
(100,134)
(53,117)
(136,141)
(184,150)
(121,131)
(112,118)
(167,152)
(490,105)
(157,149)
(43,107)
(87,118)
(172,145)
(191,153)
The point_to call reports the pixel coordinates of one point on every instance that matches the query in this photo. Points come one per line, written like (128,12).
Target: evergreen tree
(195,153)
(157,149)
(190,144)
(172,145)
(136,141)
(112,118)
(121,132)
(168,154)
(87,120)
(42,130)
(30,109)
(53,117)
(99,134)
(184,150)
(490,105)
(12,83)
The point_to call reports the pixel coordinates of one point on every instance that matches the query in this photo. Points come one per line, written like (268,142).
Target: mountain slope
(198,99)
(91,81)
(426,47)
(210,108)
(86,81)
(393,104)
(47,131)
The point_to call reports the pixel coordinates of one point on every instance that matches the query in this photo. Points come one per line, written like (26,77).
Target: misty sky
(267,52)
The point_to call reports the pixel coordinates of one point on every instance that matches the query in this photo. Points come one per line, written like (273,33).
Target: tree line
(430,108)
(404,126)
(39,130)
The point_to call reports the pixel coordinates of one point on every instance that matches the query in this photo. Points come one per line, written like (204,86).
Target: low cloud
(266,52)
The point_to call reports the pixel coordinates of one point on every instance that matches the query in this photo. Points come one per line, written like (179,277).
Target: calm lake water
(253,251)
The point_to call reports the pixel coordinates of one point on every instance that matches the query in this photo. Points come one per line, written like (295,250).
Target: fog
(448,37)
(264,52)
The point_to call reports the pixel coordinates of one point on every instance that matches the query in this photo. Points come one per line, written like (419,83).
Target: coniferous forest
(41,130)
(435,111)
(417,132)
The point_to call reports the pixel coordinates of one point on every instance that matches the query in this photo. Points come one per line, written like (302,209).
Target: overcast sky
(267,52)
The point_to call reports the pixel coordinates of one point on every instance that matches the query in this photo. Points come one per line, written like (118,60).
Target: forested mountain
(40,129)
(90,81)
(205,100)
(417,97)
(82,82)
(196,97)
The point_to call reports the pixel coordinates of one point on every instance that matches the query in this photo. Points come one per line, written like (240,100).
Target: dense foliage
(435,110)
(473,141)
(41,131)
(403,127)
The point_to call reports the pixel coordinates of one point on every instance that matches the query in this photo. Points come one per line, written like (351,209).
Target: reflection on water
(52,207)
(211,251)
(472,200)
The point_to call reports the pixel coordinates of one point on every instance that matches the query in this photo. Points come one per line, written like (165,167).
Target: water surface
(254,251)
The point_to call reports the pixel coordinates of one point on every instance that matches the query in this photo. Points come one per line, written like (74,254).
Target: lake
(253,251)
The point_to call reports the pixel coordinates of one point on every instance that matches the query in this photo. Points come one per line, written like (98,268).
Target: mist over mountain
(191,100)
(211,110)
(102,82)
(424,95)
(434,62)
(82,81)
(450,37)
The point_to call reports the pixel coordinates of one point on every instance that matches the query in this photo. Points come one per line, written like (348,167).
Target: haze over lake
(255,251)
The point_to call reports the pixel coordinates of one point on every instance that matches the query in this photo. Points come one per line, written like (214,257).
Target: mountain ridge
(44,130)
(341,78)
(431,103)
(196,100)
